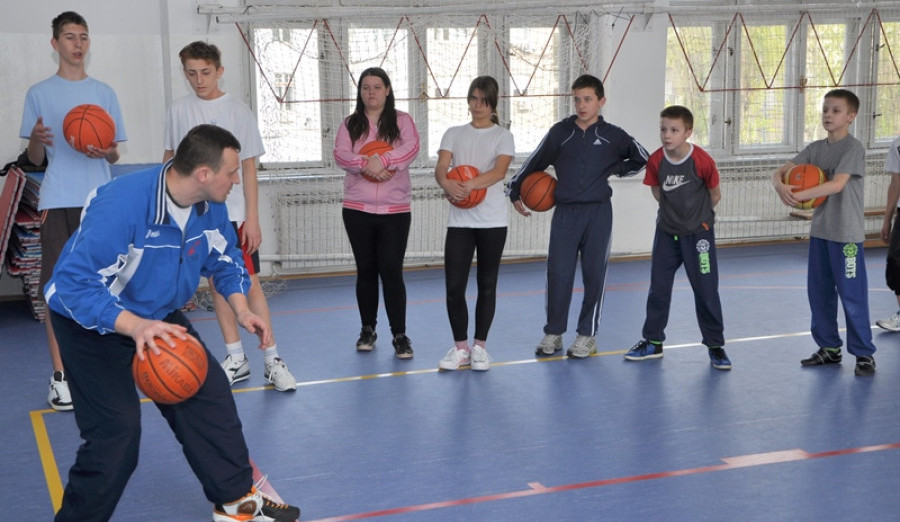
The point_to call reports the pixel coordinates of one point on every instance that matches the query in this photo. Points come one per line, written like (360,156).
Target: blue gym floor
(367,436)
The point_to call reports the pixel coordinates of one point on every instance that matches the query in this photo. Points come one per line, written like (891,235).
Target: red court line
(536,488)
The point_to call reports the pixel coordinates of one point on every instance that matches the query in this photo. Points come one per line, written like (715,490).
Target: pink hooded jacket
(388,197)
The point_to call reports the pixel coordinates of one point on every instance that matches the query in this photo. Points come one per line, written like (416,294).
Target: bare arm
(891,207)
(715,195)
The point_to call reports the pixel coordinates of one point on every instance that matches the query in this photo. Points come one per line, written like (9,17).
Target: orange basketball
(803,177)
(464,173)
(172,376)
(89,125)
(537,191)
(374,148)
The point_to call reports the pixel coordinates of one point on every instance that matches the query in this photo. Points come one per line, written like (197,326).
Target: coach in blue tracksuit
(585,151)
(144,241)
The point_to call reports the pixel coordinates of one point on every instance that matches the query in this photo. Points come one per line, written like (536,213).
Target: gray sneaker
(584,346)
(549,345)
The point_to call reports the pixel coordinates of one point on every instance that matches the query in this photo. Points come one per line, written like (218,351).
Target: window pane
(384,48)
(449,47)
(287,100)
(824,64)
(887,123)
(535,72)
(762,109)
(681,86)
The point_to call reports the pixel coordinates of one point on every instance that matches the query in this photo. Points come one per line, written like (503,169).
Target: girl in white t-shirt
(487,146)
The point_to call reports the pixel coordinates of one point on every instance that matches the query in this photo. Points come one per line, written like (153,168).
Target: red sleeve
(651,175)
(706,167)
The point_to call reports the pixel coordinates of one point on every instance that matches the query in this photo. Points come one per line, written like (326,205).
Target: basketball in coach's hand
(465,173)
(174,375)
(806,176)
(537,191)
(371,149)
(89,124)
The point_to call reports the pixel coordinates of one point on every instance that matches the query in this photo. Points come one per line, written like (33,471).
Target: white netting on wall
(754,78)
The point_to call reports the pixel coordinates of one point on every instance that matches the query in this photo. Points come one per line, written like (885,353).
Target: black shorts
(250,260)
(57,226)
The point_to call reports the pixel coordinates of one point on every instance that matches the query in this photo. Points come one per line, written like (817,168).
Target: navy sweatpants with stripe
(839,270)
(697,252)
(108,414)
(584,231)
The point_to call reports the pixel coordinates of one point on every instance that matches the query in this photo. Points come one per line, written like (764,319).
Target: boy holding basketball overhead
(585,151)
(71,175)
(145,240)
(836,263)
(202,65)
(684,180)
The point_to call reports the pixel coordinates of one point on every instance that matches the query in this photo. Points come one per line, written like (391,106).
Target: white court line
(534,360)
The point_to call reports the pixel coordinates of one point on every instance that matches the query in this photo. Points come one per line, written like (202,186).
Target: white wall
(134,46)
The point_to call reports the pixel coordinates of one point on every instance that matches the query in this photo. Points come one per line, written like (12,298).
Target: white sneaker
(454,359)
(278,374)
(891,324)
(59,397)
(236,370)
(481,359)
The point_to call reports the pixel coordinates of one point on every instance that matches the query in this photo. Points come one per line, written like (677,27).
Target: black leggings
(459,249)
(379,246)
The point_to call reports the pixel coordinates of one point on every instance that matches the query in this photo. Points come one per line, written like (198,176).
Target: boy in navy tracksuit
(585,151)
(120,281)
(836,266)
(685,182)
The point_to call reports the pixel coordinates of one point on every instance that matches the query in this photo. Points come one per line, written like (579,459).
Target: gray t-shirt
(841,217)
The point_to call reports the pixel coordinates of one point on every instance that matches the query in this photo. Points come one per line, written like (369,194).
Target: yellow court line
(48,461)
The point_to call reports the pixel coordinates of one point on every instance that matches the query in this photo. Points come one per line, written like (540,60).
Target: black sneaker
(402,347)
(865,366)
(822,357)
(366,341)
(255,506)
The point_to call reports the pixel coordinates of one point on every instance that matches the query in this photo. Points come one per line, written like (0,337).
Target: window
(765,78)
(534,64)
(887,92)
(452,64)
(287,89)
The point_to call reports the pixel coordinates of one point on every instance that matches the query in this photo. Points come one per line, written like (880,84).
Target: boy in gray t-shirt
(836,264)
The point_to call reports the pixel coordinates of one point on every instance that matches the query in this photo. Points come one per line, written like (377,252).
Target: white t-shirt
(226,112)
(892,163)
(479,148)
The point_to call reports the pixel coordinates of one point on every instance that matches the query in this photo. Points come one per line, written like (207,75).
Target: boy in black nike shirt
(685,181)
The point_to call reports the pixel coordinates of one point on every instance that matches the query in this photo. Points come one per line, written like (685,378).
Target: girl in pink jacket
(376,206)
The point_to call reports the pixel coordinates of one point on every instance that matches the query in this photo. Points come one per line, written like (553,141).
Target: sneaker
(891,324)
(719,359)
(549,345)
(481,359)
(822,357)
(454,359)
(366,341)
(644,349)
(865,366)
(402,347)
(584,346)
(236,371)
(255,506)
(278,374)
(59,397)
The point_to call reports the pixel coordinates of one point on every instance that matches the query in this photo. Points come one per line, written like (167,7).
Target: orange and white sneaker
(255,507)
